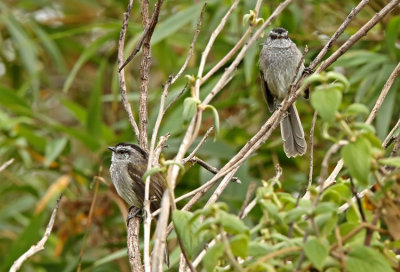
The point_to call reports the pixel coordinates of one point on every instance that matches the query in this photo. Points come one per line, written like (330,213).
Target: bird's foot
(134,212)
(308,71)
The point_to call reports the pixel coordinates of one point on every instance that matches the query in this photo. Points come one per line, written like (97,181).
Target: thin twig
(40,245)
(90,216)
(338,32)
(146,32)
(310,172)
(227,74)
(190,54)
(160,237)
(389,137)
(233,51)
(175,98)
(210,169)
(359,34)
(383,94)
(145,68)
(250,190)
(358,201)
(121,73)
(6,164)
(148,217)
(193,153)
(340,247)
(229,254)
(209,45)
(325,162)
(370,232)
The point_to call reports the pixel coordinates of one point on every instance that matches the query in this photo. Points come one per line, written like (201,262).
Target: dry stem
(40,245)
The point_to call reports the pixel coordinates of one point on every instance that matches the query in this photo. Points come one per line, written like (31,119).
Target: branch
(359,34)
(338,32)
(310,173)
(121,73)
(40,245)
(191,155)
(160,245)
(133,242)
(6,164)
(190,54)
(383,94)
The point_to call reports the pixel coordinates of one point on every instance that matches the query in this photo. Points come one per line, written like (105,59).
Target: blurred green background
(60,109)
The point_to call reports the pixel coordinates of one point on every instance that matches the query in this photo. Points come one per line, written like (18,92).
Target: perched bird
(279,60)
(128,165)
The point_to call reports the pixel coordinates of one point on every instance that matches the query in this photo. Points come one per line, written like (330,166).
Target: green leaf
(216,119)
(338,77)
(31,235)
(326,207)
(394,161)
(295,214)
(54,149)
(326,101)
(366,259)
(94,118)
(27,49)
(50,46)
(357,158)
(187,231)
(316,251)
(239,245)
(86,55)
(363,127)
(213,254)
(356,109)
(232,223)
(391,35)
(177,21)
(10,100)
(258,249)
(249,63)
(190,108)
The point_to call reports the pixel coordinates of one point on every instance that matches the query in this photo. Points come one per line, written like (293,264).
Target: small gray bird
(128,164)
(279,59)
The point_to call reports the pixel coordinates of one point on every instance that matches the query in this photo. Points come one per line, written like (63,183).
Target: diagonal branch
(40,245)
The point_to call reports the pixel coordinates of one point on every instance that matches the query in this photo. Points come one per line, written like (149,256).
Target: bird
(128,165)
(279,61)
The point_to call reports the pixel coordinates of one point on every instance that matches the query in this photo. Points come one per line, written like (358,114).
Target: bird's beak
(111,148)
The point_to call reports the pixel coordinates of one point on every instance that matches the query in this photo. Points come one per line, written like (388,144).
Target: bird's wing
(267,93)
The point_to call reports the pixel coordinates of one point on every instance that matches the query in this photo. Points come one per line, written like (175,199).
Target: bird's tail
(292,132)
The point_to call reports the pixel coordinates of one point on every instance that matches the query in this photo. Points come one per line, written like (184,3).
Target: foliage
(60,108)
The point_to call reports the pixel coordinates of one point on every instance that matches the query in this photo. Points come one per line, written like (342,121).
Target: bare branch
(160,237)
(121,74)
(209,45)
(211,169)
(191,155)
(310,173)
(250,190)
(359,34)
(133,241)
(190,54)
(146,32)
(389,137)
(383,94)
(6,164)
(40,245)
(338,32)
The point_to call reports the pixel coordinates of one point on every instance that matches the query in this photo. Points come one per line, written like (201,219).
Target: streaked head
(278,33)
(127,152)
